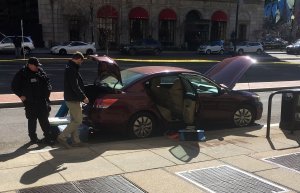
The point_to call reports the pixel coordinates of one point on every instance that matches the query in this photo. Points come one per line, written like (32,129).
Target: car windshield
(128,76)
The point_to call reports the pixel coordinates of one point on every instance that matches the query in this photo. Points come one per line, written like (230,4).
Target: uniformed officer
(33,87)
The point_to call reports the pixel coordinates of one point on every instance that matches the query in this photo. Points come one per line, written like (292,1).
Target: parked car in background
(211,47)
(71,47)
(7,45)
(248,47)
(139,101)
(294,48)
(274,43)
(142,46)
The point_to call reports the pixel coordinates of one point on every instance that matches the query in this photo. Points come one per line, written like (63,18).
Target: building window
(74,29)
(107,28)
(167,27)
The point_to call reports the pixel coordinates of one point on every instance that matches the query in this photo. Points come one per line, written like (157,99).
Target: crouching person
(32,85)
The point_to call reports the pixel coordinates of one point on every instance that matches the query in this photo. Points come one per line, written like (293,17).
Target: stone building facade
(175,23)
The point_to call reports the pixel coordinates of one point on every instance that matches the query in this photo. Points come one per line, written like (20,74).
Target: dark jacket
(73,83)
(35,86)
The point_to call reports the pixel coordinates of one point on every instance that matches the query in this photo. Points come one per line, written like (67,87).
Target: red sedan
(142,100)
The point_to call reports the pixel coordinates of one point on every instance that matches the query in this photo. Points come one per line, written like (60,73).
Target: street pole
(236,24)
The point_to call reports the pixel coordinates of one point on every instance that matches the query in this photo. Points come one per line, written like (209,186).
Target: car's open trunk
(95,91)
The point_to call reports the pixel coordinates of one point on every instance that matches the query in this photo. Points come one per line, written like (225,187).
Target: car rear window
(128,77)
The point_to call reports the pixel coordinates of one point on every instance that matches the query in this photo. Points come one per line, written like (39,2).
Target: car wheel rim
(242,117)
(142,127)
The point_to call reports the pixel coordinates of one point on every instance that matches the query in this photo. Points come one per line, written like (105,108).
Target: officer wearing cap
(32,85)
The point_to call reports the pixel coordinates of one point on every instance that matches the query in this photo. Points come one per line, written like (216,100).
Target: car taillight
(104,103)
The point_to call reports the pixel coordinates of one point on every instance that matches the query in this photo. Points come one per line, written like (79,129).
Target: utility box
(290,111)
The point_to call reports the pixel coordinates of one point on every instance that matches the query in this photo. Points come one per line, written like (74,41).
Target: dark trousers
(37,111)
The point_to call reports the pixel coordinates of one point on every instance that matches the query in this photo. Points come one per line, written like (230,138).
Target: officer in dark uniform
(33,87)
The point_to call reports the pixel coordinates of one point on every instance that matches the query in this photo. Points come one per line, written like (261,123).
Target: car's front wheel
(142,125)
(221,52)
(243,116)
(241,52)
(259,51)
(208,52)
(157,51)
(62,52)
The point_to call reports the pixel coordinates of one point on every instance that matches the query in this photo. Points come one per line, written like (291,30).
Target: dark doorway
(196,30)
(242,32)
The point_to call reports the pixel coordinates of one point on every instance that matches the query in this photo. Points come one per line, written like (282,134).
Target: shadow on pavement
(20,151)
(289,136)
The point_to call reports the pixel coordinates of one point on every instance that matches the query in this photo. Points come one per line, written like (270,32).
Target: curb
(20,104)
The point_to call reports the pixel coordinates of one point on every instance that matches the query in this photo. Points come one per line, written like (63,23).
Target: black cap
(34,61)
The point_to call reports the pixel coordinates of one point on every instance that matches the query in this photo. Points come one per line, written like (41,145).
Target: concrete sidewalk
(158,164)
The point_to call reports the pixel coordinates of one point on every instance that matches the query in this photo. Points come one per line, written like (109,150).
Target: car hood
(106,67)
(229,71)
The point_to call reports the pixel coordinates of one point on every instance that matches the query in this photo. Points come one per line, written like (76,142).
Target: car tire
(157,52)
(243,116)
(142,125)
(89,52)
(62,52)
(221,52)
(26,51)
(131,52)
(259,51)
(240,51)
(208,52)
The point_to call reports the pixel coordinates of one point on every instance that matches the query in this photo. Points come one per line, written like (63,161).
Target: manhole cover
(109,184)
(227,179)
(290,161)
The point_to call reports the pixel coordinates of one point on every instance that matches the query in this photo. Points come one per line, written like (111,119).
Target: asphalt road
(268,69)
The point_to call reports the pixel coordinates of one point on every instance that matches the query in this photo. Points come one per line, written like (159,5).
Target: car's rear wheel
(142,125)
(221,52)
(132,52)
(89,52)
(208,52)
(241,52)
(243,116)
(62,52)
(26,51)
(259,51)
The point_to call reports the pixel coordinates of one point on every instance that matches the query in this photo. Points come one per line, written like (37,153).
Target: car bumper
(259,110)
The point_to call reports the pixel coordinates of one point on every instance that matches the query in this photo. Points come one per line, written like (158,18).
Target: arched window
(107,26)
(218,26)
(167,27)
(138,19)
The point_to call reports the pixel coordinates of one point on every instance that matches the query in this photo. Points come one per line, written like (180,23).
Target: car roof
(158,69)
